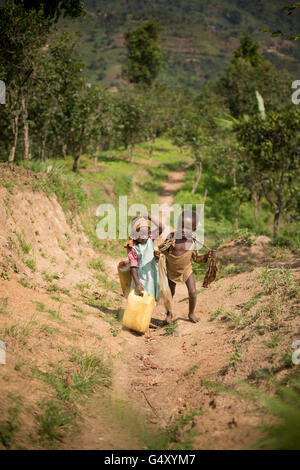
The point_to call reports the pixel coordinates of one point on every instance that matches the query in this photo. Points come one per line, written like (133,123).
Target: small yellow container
(138,312)
(124,276)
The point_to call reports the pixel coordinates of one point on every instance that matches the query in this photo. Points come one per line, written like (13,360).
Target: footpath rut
(157,378)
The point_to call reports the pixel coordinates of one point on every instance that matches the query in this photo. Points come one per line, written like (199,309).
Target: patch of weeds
(217,313)
(55,420)
(50,277)
(251,303)
(19,331)
(69,383)
(24,245)
(234,317)
(180,438)
(55,288)
(274,280)
(236,356)
(107,283)
(115,330)
(24,283)
(171,327)
(97,264)
(48,330)
(91,371)
(54,314)
(273,342)
(190,370)
(39,305)
(58,299)
(78,317)
(244,236)
(232,270)
(233,288)
(82,287)
(9,185)
(4,275)
(77,308)
(286,361)
(9,427)
(282,401)
(30,263)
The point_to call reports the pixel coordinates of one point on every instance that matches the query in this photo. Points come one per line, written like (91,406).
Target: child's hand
(139,290)
(212,254)
(156,254)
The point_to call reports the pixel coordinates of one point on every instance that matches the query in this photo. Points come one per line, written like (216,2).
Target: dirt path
(49,273)
(161,375)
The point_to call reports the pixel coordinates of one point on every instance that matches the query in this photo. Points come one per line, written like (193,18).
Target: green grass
(71,380)
(19,331)
(30,263)
(24,283)
(54,421)
(279,399)
(97,264)
(25,246)
(9,427)
(171,327)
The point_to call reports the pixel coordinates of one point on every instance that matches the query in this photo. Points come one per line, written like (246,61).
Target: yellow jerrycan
(124,276)
(138,311)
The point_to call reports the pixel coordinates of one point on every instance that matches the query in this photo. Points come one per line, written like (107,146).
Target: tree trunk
(237,213)
(204,197)
(131,155)
(15,128)
(64,150)
(44,145)
(75,162)
(27,154)
(198,165)
(276,223)
(151,148)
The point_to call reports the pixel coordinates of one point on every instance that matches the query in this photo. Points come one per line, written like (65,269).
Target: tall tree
(22,34)
(144,54)
(55,8)
(248,72)
(273,154)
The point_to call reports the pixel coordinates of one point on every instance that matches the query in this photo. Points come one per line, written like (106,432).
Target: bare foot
(169,317)
(193,319)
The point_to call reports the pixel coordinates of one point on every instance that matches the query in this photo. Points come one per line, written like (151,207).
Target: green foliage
(272,154)
(54,9)
(9,427)
(196,37)
(144,56)
(171,327)
(54,421)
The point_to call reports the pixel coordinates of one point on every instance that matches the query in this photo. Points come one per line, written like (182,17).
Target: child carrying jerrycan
(144,287)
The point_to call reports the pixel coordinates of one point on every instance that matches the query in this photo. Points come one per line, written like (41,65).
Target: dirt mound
(240,250)
(36,240)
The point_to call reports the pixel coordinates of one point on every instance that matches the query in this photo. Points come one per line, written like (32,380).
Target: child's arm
(133,262)
(203,258)
(138,286)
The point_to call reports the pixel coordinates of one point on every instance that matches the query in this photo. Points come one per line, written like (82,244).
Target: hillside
(74,379)
(198,36)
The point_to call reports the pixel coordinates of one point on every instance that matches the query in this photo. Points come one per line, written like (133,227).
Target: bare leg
(172,289)
(191,286)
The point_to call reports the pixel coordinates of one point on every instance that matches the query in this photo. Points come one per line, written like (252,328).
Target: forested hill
(198,36)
